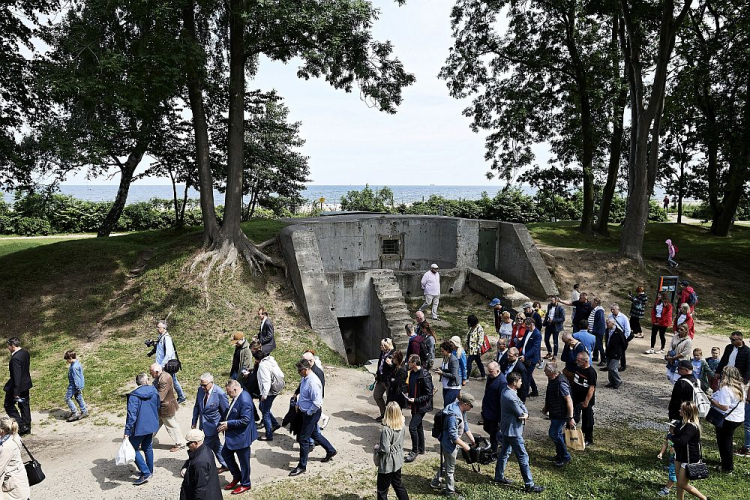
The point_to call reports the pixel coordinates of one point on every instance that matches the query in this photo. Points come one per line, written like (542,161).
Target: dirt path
(78,457)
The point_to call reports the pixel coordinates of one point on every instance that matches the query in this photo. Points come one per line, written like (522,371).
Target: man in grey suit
(513,415)
(211,405)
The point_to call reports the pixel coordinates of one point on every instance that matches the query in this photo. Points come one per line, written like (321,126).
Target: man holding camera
(164,353)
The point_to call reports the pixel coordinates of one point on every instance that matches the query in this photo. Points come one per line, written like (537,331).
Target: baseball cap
(527,305)
(434,266)
(494,302)
(236,337)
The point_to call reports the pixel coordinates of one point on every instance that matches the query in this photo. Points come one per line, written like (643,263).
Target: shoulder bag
(716,417)
(33,468)
(699,469)
(173,365)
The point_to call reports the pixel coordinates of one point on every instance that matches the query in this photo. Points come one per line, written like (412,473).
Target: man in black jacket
(509,364)
(496,384)
(683,388)
(419,396)
(616,344)
(201,480)
(17,388)
(265,333)
(736,354)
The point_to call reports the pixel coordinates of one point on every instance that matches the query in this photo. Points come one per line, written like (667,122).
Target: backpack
(675,248)
(418,346)
(277,381)
(701,400)
(692,298)
(438,423)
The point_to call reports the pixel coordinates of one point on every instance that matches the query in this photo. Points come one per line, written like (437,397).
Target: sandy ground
(78,458)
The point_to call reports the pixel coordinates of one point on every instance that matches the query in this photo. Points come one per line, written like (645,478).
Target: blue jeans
(241,472)
(310,430)
(598,348)
(214,444)
(480,366)
(515,444)
(450,396)
(556,426)
(144,442)
(268,419)
(178,387)
(747,425)
(69,396)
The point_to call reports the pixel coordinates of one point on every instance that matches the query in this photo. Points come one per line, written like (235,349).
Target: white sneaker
(661,351)
(650,351)
(323,420)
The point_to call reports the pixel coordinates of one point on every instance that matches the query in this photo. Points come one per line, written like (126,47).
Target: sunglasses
(191,442)
(735,338)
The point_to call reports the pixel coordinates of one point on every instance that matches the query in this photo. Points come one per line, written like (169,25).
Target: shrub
(32,226)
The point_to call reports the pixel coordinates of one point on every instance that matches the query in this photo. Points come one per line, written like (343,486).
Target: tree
(715,63)
(680,148)
(368,200)
(543,80)
(331,37)
(113,71)
(19,20)
(647,39)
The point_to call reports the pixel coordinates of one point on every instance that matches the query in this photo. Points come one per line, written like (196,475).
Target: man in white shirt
(624,323)
(431,287)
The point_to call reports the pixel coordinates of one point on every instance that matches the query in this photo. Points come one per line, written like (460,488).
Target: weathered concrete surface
(491,286)
(522,264)
(452,282)
(300,247)
(388,304)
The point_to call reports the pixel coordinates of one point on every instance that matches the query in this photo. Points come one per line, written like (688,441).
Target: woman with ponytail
(15,482)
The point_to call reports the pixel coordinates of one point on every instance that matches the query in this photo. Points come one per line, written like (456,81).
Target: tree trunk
(127,170)
(194,81)
(613,171)
(181,222)
(175,202)
(681,187)
(734,190)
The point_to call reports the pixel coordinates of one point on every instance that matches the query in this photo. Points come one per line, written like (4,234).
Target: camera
(152,344)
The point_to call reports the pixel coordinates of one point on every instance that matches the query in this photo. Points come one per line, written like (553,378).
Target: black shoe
(379,419)
(329,456)
(533,489)
(25,431)
(264,438)
(297,471)
(603,369)
(553,459)
(562,463)
(602,363)
(588,443)
(421,452)
(623,368)
(502,480)
(276,427)
(410,457)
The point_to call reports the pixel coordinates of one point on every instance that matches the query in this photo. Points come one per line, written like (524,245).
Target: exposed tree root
(227,253)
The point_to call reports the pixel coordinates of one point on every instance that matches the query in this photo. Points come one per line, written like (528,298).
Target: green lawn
(621,466)
(77,294)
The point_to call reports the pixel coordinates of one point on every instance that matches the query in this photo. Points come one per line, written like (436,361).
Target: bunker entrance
(354,333)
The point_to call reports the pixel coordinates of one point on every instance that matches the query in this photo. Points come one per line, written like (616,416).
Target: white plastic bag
(126,453)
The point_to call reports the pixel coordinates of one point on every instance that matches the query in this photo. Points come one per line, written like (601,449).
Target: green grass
(76,294)
(622,466)
(714,265)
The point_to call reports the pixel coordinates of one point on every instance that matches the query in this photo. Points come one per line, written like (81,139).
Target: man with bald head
(167,406)
(494,388)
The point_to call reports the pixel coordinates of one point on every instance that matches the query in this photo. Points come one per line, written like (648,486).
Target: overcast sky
(427,142)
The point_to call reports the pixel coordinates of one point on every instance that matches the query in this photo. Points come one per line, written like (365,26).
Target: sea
(331,194)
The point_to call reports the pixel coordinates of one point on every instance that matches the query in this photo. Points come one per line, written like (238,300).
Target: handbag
(717,418)
(574,439)
(173,365)
(33,468)
(486,346)
(699,469)
(376,455)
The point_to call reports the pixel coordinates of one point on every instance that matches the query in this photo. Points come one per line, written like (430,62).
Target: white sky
(427,141)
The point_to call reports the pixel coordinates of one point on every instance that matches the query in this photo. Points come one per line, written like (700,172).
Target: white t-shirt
(727,397)
(681,319)
(551,314)
(733,357)
(659,309)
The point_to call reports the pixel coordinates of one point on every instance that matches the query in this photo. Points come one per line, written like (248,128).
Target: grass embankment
(80,294)
(622,466)
(715,266)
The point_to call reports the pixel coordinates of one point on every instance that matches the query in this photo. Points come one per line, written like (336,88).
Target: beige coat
(15,482)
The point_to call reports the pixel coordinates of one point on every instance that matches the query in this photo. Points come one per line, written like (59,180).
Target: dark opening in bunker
(352,331)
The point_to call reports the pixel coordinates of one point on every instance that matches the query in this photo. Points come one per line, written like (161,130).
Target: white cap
(434,266)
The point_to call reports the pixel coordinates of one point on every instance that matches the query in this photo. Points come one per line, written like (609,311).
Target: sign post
(669,284)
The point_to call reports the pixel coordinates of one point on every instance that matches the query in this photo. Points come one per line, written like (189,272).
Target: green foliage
(367,200)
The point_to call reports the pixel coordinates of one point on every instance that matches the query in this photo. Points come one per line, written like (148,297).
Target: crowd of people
(225,420)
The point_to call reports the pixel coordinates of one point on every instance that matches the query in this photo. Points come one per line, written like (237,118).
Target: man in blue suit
(211,405)
(513,415)
(240,432)
(530,350)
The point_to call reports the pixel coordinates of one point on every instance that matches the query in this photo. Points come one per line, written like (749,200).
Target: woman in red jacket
(661,319)
(519,330)
(684,316)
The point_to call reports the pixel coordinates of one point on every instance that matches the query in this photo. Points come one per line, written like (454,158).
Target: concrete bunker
(352,272)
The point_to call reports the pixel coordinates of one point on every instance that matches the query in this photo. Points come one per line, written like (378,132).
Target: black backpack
(438,424)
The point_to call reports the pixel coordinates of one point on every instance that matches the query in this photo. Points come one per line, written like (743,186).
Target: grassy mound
(715,266)
(102,298)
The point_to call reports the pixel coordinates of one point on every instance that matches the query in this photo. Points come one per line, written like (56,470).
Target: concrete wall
(452,282)
(521,264)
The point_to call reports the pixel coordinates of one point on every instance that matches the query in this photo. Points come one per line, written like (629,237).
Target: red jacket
(666,314)
(690,324)
(518,331)
(685,294)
